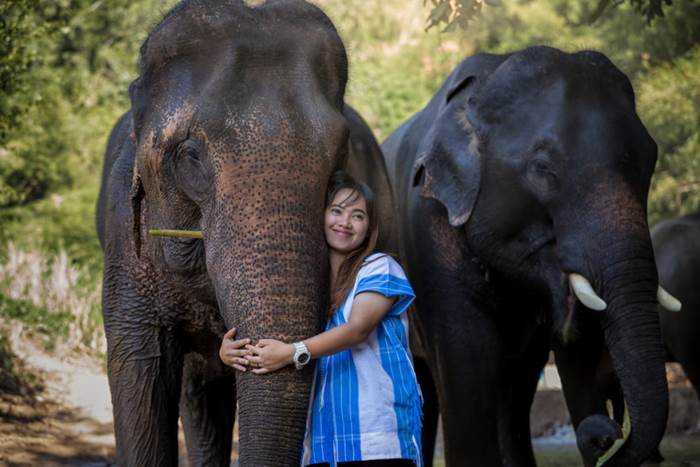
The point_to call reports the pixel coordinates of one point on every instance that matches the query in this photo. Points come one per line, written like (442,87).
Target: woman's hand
(269,355)
(232,352)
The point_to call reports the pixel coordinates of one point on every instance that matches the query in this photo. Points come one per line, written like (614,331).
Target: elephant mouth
(184,255)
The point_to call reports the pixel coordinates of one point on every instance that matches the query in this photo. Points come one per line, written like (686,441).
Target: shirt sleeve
(385,276)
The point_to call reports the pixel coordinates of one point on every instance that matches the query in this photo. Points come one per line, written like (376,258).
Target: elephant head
(238,124)
(544,163)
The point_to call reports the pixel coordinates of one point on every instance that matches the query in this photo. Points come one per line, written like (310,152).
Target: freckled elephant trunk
(271,283)
(628,284)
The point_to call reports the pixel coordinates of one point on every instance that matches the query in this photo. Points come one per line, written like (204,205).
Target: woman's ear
(136,195)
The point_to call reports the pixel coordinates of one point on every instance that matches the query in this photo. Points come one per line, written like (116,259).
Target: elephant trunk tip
(595,436)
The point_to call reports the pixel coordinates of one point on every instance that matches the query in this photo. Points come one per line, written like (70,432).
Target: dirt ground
(61,415)
(58,413)
(47,433)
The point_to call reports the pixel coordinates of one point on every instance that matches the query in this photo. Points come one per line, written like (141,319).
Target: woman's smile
(346,221)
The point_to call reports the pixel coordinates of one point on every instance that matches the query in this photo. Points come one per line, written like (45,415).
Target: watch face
(304,358)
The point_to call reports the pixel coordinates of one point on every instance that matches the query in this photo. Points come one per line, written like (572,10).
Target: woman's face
(346,222)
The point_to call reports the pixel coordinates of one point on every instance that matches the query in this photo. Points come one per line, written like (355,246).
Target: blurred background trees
(65,68)
(458,13)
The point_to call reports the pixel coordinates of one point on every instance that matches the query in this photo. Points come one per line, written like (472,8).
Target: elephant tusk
(667,300)
(585,293)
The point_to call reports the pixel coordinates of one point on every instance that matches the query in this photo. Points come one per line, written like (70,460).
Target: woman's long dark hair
(353,261)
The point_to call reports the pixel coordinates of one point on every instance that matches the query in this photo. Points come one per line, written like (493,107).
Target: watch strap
(302,356)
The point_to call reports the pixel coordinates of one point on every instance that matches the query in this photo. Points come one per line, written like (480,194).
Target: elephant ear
(449,167)
(136,194)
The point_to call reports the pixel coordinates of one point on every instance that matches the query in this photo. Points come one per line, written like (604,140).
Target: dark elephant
(677,250)
(237,121)
(677,254)
(678,263)
(520,187)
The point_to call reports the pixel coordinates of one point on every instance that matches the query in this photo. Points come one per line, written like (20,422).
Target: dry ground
(58,413)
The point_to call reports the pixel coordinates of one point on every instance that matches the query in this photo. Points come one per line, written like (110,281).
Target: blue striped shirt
(366,401)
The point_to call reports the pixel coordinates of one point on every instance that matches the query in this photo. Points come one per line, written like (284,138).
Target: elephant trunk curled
(628,282)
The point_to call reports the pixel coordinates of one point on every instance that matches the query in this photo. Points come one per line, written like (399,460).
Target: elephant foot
(595,435)
(654,459)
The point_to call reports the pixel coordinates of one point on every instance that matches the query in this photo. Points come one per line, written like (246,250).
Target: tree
(458,13)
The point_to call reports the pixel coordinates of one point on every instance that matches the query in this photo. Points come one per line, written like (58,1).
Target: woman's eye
(335,211)
(359,217)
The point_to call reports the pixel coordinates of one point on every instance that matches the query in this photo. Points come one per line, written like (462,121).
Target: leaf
(452,27)
(441,13)
(626,430)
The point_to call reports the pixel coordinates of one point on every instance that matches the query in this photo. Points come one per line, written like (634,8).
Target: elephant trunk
(268,262)
(628,282)
(273,411)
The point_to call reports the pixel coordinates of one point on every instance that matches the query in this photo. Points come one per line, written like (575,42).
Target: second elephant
(526,173)
(677,248)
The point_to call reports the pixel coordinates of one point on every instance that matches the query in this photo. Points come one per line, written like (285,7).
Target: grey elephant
(521,192)
(237,121)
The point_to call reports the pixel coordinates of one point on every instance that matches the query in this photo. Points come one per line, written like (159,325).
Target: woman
(366,405)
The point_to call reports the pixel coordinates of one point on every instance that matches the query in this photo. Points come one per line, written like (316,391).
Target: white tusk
(667,300)
(585,293)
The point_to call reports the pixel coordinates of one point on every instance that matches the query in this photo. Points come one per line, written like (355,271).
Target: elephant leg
(466,361)
(585,389)
(685,352)
(145,371)
(522,375)
(431,409)
(208,406)
(691,367)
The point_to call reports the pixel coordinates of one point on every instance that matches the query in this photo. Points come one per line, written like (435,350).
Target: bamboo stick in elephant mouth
(176,233)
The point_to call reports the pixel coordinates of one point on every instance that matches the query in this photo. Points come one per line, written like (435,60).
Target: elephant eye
(190,171)
(541,177)
(540,166)
(191,152)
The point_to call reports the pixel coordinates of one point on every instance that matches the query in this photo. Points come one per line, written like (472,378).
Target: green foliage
(63,221)
(459,13)
(15,379)
(18,51)
(70,62)
(395,66)
(38,319)
(24,175)
(669,104)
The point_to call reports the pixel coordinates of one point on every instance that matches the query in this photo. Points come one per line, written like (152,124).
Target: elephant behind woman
(521,195)
(237,121)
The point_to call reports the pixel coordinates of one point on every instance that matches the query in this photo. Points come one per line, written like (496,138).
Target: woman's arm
(368,309)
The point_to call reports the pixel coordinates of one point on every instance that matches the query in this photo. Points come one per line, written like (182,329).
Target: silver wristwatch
(302,356)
